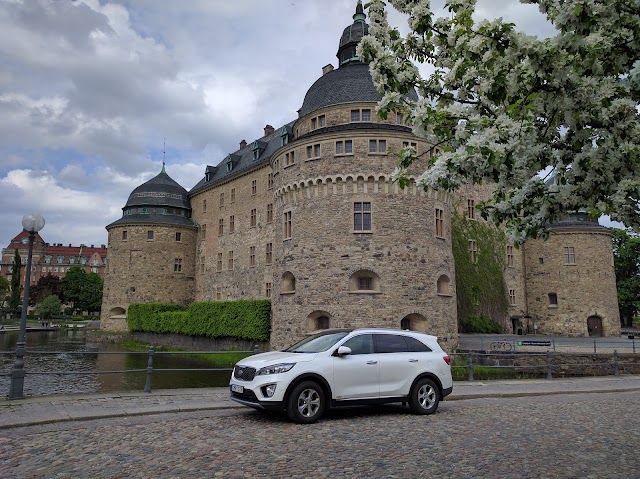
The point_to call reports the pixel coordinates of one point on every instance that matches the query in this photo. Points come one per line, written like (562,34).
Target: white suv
(344,368)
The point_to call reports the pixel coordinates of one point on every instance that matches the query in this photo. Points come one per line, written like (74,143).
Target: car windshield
(318,343)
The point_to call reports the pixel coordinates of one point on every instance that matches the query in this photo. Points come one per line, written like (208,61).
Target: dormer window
(285,136)
(229,166)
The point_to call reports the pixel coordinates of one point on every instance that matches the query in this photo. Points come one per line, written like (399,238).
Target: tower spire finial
(359,15)
(164,153)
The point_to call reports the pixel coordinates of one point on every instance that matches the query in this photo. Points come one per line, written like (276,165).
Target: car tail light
(447,359)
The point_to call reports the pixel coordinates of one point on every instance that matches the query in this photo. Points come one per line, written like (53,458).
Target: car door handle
(413,360)
(372,362)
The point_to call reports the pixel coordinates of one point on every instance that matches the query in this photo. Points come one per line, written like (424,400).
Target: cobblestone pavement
(559,436)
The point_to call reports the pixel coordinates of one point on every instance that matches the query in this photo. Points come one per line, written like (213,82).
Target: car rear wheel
(306,403)
(425,397)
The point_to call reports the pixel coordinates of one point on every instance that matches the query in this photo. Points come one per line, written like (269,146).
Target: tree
(626,256)
(48,307)
(82,289)
(46,286)
(5,287)
(503,106)
(14,299)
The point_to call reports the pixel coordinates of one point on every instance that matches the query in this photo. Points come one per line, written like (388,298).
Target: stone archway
(594,326)
(414,322)
(318,320)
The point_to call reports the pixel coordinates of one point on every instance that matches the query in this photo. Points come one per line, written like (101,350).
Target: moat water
(62,348)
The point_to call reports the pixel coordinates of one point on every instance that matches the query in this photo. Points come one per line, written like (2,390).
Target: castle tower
(351,248)
(570,280)
(151,251)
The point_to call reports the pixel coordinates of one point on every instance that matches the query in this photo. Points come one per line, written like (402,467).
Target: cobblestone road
(566,436)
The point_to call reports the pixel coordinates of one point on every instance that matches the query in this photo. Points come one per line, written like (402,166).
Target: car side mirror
(343,351)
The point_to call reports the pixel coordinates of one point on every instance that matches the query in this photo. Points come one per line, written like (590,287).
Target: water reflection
(64,344)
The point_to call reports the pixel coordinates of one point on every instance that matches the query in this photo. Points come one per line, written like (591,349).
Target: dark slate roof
(348,84)
(356,127)
(155,219)
(243,160)
(161,190)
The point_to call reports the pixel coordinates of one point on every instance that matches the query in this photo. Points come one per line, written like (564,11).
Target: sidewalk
(58,408)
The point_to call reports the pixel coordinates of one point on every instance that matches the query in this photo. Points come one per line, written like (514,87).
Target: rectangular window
(316,150)
(254,187)
(149,235)
(203,229)
(178,236)
(439,223)
(471,209)
(569,255)
(362,216)
(220,226)
(289,158)
(410,144)
(510,258)
(313,151)
(204,206)
(219,261)
(221,200)
(177,265)
(553,299)
(230,261)
(473,251)
(361,115)
(377,146)
(232,223)
(270,181)
(218,293)
(270,213)
(233,195)
(365,283)
(399,119)
(202,258)
(125,235)
(267,290)
(287,225)
(252,256)
(366,115)
(314,123)
(269,253)
(321,121)
(355,115)
(344,147)
(512,297)
(253,218)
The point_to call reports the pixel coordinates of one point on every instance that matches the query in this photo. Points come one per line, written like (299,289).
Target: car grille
(244,373)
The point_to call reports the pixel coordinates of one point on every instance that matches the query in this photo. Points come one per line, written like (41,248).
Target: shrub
(477,324)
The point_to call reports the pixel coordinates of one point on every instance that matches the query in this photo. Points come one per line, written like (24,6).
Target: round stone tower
(351,248)
(151,254)
(570,280)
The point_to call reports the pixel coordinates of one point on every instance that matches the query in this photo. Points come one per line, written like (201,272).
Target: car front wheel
(425,397)
(306,403)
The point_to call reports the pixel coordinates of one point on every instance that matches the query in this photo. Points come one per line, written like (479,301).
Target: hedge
(249,319)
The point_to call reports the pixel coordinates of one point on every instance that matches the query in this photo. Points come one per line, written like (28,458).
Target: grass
(221,359)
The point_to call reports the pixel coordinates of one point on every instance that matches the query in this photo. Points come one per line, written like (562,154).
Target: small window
(233,195)
(287,225)
(399,119)
(313,151)
(377,146)
(270,213)
(254,187)
(540,260)
(471,209)
(553,299)
(512,297)
(443,285)
(365,283)
(230,261)
(314,123)
(361,115)
(221,200)
(253,217)
(473,251)
(344,147)
(202,263)
(219,262)
(252,256)
(268,253)
(288,282)
(410,144)
(361,216)
(203,229)
(149,235)
(177,265)
(269,182)
(355,115)
(232,223)
(125,236)
(220,226)
(366,115)
(510,257)
(569,255)
(439,223)
(204,206)
(321,121)
(178,236)
(390,343)
(218,293)
(267,290)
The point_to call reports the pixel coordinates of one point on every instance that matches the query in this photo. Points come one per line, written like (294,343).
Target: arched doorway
(594,326)
(414,322)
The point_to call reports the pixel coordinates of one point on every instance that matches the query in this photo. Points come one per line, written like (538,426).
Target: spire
(359,16)
(164,153)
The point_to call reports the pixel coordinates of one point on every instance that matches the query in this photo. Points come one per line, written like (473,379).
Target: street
(564,436)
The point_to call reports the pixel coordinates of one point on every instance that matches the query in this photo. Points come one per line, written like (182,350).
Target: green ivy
(480,286)
(250,319)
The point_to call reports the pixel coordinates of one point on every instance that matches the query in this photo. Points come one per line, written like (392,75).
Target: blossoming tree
(553,122)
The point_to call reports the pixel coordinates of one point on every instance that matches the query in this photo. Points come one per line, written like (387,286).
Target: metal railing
(149,370)
(557,345)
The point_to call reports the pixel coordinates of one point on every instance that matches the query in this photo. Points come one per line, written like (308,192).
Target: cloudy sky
(89,90)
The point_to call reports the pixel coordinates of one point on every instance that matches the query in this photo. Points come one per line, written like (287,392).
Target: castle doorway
(594,326)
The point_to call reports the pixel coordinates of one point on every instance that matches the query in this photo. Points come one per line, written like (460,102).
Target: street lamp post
(32,223)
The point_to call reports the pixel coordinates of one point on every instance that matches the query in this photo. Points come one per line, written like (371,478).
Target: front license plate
(237,389)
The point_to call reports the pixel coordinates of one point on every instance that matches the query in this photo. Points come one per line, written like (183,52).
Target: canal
(62,349)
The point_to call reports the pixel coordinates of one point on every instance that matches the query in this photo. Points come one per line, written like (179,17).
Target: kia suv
(344,368)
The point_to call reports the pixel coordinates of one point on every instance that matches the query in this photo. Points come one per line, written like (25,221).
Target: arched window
(288,282)
(364,281)
(318,320)
(444,285)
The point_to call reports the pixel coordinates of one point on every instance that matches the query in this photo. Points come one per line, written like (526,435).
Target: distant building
(308,216)
(51,259)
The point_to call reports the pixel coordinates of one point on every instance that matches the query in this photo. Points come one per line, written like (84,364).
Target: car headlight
(275,369)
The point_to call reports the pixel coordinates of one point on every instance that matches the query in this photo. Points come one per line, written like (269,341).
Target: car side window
(391,343)
(417,346)
(362,344)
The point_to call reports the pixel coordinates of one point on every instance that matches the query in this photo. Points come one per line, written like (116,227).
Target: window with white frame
(569,255)
(473,251)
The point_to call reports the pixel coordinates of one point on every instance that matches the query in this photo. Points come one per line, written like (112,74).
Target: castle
(308,216)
